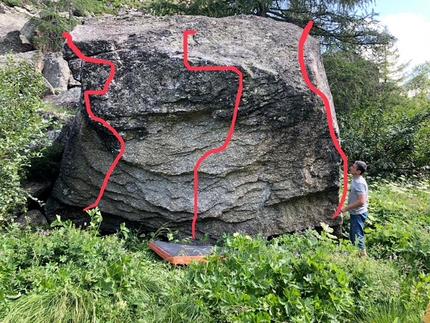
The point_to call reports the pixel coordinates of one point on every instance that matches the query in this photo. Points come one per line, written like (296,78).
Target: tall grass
(67,304)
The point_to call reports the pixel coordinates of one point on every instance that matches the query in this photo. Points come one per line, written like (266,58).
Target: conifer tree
(341,24)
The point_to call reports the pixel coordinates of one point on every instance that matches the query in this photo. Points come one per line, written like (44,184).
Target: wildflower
(122,304)
(45,233)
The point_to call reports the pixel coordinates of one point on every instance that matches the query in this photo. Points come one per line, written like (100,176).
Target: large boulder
(280,172)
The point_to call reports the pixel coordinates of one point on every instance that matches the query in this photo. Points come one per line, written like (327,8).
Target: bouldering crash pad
(180,254)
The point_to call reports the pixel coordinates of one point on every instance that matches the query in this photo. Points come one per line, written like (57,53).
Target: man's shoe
(362,253)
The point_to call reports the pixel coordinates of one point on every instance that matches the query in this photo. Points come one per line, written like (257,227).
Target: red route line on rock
(233,120)
(91,114)
(328,112)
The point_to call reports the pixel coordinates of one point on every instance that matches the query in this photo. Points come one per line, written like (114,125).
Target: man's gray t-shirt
(358,186)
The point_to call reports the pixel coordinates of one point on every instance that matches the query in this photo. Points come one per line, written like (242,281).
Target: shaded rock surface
(11,40)
(68,100)
(33,218)
(36,189)
(56,71)
(280,171)
(29,30)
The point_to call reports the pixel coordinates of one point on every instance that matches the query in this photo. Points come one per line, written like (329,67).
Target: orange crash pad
(179,254)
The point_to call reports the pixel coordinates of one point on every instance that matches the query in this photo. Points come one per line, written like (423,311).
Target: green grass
(393,312)
(68,274)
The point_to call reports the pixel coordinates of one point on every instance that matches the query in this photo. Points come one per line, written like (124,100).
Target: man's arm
(360,202)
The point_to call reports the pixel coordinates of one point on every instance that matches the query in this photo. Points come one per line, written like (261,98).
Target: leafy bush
(21,130)
(293,278)
(388,139)
(68,274)
(379,121)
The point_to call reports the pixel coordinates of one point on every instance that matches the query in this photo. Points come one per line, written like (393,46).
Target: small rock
(56,71)
(36,189)
(29,29)
(68,100)
(33,218)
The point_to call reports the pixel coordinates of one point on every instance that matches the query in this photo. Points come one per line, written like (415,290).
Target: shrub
(50,28)
(293,278)
(379,121)
(70,275)
(21,130)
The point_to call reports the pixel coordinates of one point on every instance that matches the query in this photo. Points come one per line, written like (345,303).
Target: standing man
(358,200)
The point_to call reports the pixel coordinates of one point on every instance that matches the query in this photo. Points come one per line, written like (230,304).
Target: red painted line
(233,120)
(328,112)
(91,114)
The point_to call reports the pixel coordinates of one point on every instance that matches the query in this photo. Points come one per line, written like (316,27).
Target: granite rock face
(278,174)
(56,71)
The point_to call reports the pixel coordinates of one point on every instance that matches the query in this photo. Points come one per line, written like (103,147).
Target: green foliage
(50,29)
(336,23)
(409,307)
(306,277)
(379,123)
(393,312)
(294,278)
(418,80)
(80,8)
(12,3)
(67,274)
(387,136)
(400,229)
(21,130)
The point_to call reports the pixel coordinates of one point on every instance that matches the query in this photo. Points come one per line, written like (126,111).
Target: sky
(409,22)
